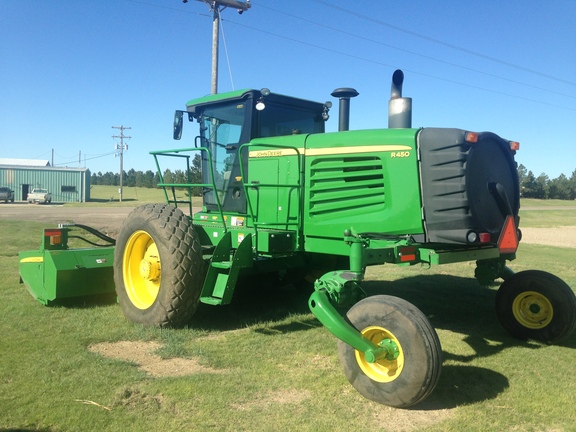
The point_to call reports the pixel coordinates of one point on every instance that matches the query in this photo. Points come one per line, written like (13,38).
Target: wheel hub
(391,348)
(149,270)
(387,368)
(532,310)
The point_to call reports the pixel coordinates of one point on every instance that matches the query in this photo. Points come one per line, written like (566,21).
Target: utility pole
(215,8)
(120,152)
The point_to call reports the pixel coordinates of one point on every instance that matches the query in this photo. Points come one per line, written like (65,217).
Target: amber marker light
(55,236)
(471,137)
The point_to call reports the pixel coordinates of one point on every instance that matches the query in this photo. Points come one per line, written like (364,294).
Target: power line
(430,39)
(91,157)
(415,34)
(73,159)
(339,30)
(226,51)
(168,8)
(446,44)
(407,70)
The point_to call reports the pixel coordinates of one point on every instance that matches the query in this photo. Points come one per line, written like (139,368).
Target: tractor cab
(229,120)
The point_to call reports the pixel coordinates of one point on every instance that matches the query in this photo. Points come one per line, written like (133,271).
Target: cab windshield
(221,130)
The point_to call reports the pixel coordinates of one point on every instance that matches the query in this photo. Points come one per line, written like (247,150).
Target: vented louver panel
(344,183)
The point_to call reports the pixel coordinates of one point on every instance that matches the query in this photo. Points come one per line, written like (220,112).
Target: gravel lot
(109,220)
(106,219)
(559,236)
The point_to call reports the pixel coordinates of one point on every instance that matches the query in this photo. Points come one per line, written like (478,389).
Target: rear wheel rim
(382,370)
(533,310)
(141,269)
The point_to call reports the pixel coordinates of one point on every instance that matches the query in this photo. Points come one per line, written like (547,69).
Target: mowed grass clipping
(269,365)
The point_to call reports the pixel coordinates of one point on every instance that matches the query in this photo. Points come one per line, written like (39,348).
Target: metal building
(65,184)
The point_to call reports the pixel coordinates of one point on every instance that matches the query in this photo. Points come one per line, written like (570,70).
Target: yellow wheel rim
(382,370)
(141,269)
(532,310)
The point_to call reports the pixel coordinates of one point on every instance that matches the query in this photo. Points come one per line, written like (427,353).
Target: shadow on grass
(458,305)
(464,385)
(257,303)
(452,303)
(85,302)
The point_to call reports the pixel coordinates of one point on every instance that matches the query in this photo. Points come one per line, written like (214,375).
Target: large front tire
(413,375)
(158,266)
(537,305)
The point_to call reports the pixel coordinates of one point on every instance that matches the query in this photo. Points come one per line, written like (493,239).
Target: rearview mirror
(178,117)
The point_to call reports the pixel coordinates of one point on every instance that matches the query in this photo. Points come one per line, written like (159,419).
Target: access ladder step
(226,265)
(211,300)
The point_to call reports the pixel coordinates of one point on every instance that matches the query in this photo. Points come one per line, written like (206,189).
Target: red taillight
(55,236)
(407,254)
(484,237)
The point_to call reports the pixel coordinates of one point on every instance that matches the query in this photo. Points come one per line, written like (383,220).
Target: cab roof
(250,93)
(219,97)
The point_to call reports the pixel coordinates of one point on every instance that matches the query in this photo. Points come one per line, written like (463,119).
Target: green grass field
(265,364)
(131,196)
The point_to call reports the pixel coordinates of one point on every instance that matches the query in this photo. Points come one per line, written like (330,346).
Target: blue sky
(72,69)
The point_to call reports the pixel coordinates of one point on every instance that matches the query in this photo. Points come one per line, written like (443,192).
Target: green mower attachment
(55,272)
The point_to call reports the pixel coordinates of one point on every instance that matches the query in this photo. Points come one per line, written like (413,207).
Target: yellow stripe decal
(354,149)
(32,260)
(328,151)
(274,152)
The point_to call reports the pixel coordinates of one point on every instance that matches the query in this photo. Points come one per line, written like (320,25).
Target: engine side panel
(365,180)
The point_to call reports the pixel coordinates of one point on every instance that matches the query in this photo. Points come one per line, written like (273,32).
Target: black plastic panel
(459,184)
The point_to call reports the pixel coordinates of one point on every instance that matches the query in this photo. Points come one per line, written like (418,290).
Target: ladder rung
(211,300)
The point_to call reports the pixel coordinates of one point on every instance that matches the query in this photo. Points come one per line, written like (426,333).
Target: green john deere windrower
(282,195)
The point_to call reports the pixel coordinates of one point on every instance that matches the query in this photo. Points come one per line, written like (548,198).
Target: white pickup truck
(39,195)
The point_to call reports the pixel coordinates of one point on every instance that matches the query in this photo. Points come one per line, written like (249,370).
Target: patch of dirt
(407,420)
(558,236)
(142,354)
(279,397)
(135,398)
(404,420)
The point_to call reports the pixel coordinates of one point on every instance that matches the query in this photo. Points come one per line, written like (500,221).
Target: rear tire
(537,305)
(413,375)
(158,266)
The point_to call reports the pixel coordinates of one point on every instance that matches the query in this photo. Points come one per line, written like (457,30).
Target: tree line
(541,187)
(150,179)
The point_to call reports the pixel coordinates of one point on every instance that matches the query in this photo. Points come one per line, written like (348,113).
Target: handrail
(189,185)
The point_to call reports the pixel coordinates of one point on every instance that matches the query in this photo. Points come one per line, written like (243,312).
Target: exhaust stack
(399,108)
(344,94)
